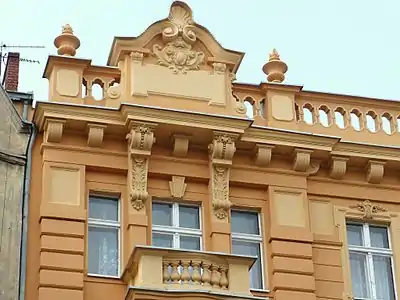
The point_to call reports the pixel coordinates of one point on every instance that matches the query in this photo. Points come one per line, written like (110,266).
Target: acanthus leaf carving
(368,209)
(220,191)
(221,150)
(223,146)
(140,141)
(138,194)
(179,36)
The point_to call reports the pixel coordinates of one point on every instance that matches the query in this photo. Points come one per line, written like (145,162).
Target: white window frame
(368,250)
(174,229)
(107,224)
(245,237)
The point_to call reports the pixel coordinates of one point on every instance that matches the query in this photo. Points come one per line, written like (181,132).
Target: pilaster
(290,243)
(221,152)
(62,231)
(140,141)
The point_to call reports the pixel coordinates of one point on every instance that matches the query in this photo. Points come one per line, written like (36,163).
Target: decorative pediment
(178,39)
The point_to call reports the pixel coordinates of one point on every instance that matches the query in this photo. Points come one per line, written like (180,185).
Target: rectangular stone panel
(289,208)
(64,185)
(322,221)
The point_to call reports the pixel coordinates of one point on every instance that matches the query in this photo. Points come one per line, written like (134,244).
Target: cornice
(84,113)
(184,118)
(273,136)
(346,148)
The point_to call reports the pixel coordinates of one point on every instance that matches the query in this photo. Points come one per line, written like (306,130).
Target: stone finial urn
(67,43)
(275,69)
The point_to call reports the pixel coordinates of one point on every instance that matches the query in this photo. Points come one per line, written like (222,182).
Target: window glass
(252,249)
(379,237)
(176,226)
(244,222)
(103,251)
(162,214)
(189,217)
(103,208)
(190,242)
(359,275)
(354,234)
(383,277)
(162,240)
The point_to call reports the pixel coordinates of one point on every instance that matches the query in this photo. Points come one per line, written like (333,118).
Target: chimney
(11,73)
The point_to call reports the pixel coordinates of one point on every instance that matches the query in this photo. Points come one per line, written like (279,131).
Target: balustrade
(171,269)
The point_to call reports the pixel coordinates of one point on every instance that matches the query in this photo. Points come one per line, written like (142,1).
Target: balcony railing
(172,269)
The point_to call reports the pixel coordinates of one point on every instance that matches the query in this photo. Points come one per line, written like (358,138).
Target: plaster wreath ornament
(179,36)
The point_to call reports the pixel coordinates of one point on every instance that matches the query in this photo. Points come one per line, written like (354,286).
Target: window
(370,261)
(176,226)
(103,236)
(246,240)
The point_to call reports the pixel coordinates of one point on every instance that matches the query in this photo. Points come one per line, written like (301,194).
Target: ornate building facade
(178,181)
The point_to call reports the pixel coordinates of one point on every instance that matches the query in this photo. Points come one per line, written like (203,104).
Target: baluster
(185,276)
(224,278)
(215,276)
(175,276)
(166,276)
(196,276)
(206,276)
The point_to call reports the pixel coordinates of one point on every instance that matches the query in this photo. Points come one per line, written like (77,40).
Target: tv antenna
(4,49)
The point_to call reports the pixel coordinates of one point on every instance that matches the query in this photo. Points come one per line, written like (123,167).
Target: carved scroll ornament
(223,147)
(368,209)
(220,192)
(139,195)
(221,150)
(140,141)
(179,36)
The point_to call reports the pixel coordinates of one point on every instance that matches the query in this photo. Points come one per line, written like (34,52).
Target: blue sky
(340,46)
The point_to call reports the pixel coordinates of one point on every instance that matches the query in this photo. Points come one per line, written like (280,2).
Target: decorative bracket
(95,134)
(338,167)
(54,129)
(375,171)
(181,145)
(301,159)
(177,187)
(140,141)
(221,151)
(263,154)
(368,209)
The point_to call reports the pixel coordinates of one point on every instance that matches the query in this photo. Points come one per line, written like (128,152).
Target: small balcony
(193,274)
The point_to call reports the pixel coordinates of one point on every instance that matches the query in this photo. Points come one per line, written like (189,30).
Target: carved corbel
(221,150)
(95,134)
(177,187)
(140,141)
(137,57)
(181,145)
(219,68)
(368,209)
(338,167)
(301,159)
(54,129)
(263,154)
(375,171)
(313,167)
